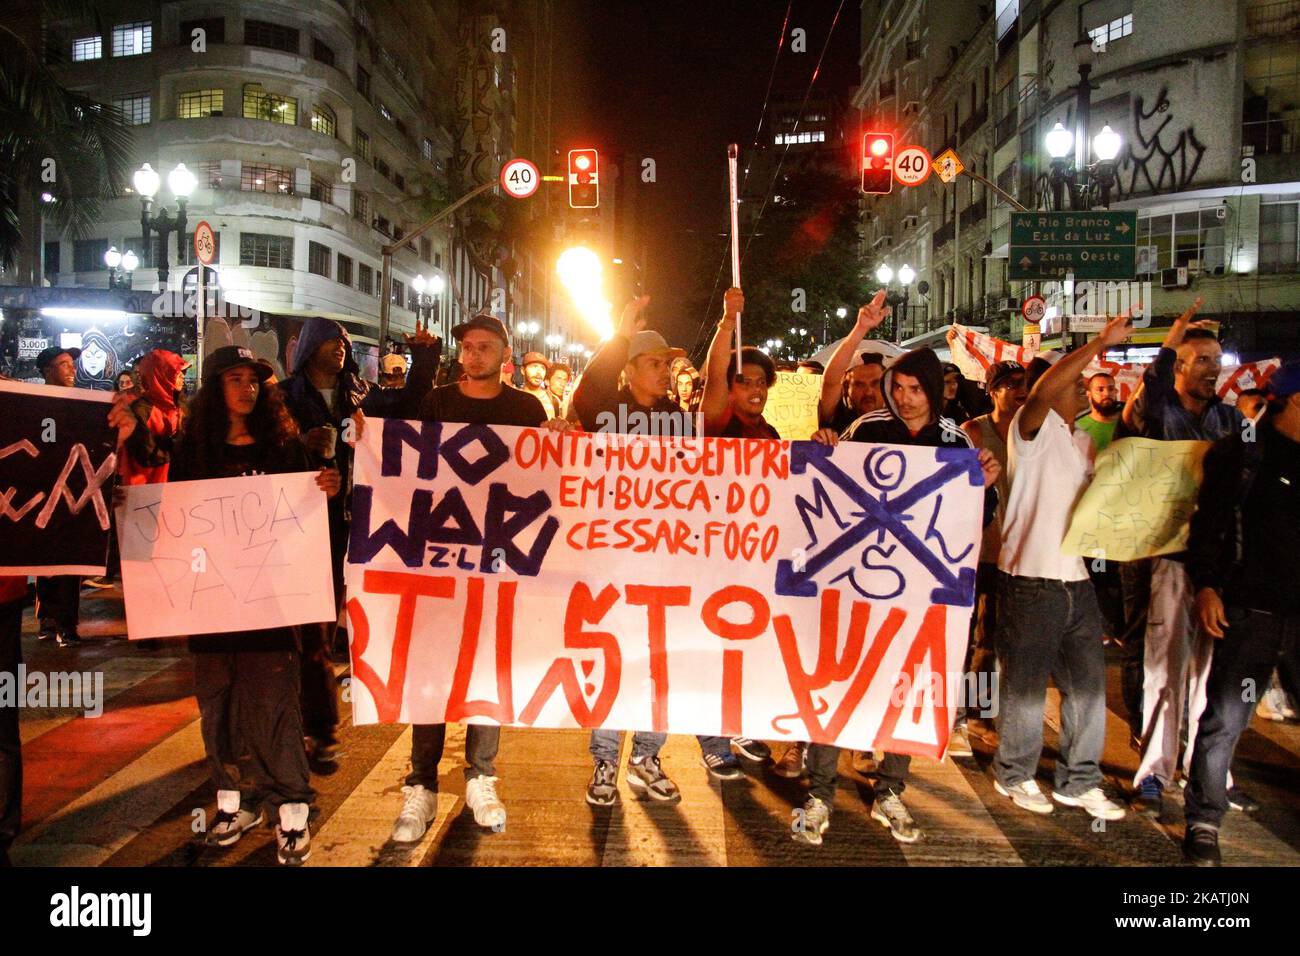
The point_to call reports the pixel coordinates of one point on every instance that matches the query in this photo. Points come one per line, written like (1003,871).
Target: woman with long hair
(247,682)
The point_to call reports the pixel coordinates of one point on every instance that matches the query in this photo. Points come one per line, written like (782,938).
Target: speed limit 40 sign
(519,178)
(912,165)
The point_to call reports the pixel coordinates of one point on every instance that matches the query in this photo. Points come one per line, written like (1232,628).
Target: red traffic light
(584,178)
(878,163)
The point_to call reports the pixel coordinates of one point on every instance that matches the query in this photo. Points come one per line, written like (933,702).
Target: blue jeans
(605,744)
(1050,629)
(1252,644)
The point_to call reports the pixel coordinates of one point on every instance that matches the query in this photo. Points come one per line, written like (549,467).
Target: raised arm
(1052,390)
(715,401)
(869,317)
(599,383)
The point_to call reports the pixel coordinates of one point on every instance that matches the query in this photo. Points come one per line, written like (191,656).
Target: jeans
(320,702)
(823,761)
(252,725)
(605,744)
(482,741)
(980,657)
(1252,645)
(1050,629)
(11,751)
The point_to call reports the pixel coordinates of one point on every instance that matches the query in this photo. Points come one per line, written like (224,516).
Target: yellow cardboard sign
(1140,502)
(792,404)
(947,166)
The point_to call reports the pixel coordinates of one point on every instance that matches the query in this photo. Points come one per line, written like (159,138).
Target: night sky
(678,81)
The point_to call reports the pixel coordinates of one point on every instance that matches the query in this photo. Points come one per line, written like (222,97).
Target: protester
(247,682)
(535,368)
(125,382)
(1176,400)
(1245,569)
(848,393)
(329,400)
(685,386)
(1099,424)
(1104,409)
(58,598)
(1007,384)
(810,367)
(1252,402)
(1048,621)
(479,398)
(392,370)
(913,389)
(962,399)
(556,401)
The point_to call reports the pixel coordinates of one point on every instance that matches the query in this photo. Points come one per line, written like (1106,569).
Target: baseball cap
(235,356)
(54,351)
(645,343)
(485,321)
(1001,371)
(1285,382)
(535,358)
(392,362)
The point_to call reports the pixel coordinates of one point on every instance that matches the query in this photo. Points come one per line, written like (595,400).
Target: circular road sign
(912,165)
(519,178)
(205,243)
(1034,309)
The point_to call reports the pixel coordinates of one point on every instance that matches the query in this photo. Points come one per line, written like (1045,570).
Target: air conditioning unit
(1009,304)
(1174,278)
(1194,267)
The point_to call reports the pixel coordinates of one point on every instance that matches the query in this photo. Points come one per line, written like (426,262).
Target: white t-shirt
(1048,475)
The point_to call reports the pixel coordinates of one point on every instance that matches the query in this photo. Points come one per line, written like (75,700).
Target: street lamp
(885,274)
(841,313)
(120,267)
(906,275)
(181,182)
(1081,174)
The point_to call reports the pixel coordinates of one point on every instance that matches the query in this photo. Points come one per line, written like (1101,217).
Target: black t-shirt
(1270,573)
(239,461)
(843,417)
(511,406)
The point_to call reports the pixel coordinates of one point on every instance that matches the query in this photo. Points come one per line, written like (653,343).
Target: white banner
(713,586)
(225,555)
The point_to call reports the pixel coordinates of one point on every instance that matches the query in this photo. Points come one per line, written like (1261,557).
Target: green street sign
(1091,245)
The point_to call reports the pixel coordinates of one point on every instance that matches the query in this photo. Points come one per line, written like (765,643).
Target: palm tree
(52,140)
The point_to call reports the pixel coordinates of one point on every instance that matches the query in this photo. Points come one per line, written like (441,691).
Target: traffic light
(584,179)
(877,164)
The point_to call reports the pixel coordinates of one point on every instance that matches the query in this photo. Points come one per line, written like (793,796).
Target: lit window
(209,173)
(1116,29)
(323,121)
(132,39)
(134,108)
(197,104)
(270,252)
(261,178)
(259,104)
(91,48)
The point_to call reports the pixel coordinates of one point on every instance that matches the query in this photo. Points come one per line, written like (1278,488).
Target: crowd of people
(1193,628)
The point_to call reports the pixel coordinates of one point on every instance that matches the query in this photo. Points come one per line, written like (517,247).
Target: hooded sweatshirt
(148,450)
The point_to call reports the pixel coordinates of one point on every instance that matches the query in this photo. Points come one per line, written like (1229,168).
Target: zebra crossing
(130,788)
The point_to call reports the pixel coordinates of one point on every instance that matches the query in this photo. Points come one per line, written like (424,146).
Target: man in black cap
(479,398)
(1245,569)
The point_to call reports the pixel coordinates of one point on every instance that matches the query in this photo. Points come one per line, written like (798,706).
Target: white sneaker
(481,797)
(231,820)
(418,811)
(1026,795)
(1095,802)
(292,837)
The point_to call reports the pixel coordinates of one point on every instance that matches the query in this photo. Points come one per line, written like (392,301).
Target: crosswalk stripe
(954,819)
(120,675)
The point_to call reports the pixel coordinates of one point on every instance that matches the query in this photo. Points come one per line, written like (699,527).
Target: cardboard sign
(792,404)
(713,586)
(225,555)
(57,459)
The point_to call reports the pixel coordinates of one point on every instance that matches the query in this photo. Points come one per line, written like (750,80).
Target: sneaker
(322,756)
(603,789)
(959,742)
(418,810)
(1095,802)
(99,583)
(1241,801)
(1026,796)
(1149,796)
(1201,845)
(48,631)
(481,797)
(646,776)
(1276,705)
(793,762)
(67,638)
(723,766)
(750,749)
(292,837)
(231,819)
(889,811)
(811,822)
(864,762)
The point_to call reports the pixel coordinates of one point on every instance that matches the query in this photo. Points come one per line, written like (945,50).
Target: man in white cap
(392,370)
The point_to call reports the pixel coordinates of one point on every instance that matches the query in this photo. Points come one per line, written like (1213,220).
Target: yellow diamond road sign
(947,166)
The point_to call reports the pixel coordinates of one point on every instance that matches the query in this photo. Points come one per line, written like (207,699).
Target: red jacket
(145,456)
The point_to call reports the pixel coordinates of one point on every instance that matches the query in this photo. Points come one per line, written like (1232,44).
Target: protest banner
(224,555)
(792,404)
(717,586)
(58,455)
(1140,502)
(973,352)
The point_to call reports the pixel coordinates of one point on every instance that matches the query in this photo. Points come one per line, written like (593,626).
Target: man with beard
(1176,401)
(535,369)
(1103,412)
(848,393)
